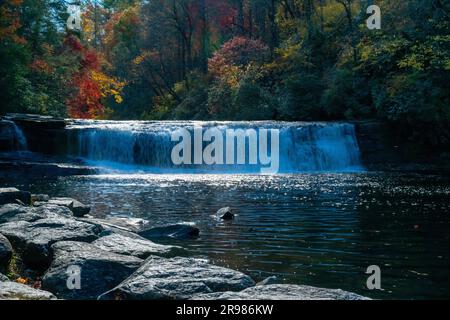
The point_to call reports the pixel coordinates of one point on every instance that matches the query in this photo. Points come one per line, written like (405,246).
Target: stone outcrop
(11,195)
(33,239)
(99,270)
(6,251)
(44,134)
(138,247)
(282,292)
(78,209)
(16,212)
(178,278)
(16,291)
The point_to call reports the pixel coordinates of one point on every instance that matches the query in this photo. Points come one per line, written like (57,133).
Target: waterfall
(303,147)
(20,142)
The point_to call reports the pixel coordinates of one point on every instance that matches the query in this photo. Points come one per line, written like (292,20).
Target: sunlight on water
(315,229)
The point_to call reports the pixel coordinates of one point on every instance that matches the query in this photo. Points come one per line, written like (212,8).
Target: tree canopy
(230,59)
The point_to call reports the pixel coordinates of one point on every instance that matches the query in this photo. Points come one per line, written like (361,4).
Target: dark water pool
(316,229)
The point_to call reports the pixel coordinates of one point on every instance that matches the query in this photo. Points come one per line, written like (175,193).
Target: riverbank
(50,248)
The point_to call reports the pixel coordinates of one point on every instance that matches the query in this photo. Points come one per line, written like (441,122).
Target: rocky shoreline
(51,248)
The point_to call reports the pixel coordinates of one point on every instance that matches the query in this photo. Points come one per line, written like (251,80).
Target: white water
(21,142)
(139,145)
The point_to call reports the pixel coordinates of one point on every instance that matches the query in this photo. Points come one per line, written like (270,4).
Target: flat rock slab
(78,209)
(16,291)
(136,246)
(99,270)
(14,212)
(120,223)
(33,239)
(10,195)
(282,292)
(174,231)
(177,278)
(6,251)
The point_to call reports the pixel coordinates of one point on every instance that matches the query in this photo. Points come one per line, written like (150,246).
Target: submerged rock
(99,270)
(177,278)
(225,214)
(138,247)
(175,231)
(16,291)
(15,212)
(282,292)
(33,239)
(10,195)
(5,251)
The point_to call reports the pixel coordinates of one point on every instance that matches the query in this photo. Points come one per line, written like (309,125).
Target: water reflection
(316,229)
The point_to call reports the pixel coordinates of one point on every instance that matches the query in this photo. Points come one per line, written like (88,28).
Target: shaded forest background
(231,60)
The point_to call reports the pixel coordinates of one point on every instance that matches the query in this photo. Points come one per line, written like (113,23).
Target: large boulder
(5,251)
(14,212)
(16,291)
(78,209)
(136,246)
(174,231)
(99,270)
(33,239)
(282,292)
(177,278)
(11,195)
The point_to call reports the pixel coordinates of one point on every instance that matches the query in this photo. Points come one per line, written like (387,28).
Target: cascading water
(20,142)
(303,147)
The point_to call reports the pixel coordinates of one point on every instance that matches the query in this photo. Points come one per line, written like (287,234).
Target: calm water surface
(315,229)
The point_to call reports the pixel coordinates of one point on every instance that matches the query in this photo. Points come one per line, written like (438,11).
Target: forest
(287,60)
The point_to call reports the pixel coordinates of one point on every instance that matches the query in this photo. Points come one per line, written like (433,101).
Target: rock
(177,278)
(7,135)
(100,270)
(3,278)
(225,214)
(32,240)
(6,251)
(12,169)
(282,292)
(268,280)
(44,134)
(78,209)
(16,291)
(40,197)
(177,231)
(138,247)
(10,195)
(15,212)
(120,223)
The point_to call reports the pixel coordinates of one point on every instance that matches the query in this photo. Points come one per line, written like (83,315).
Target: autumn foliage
(90,84)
